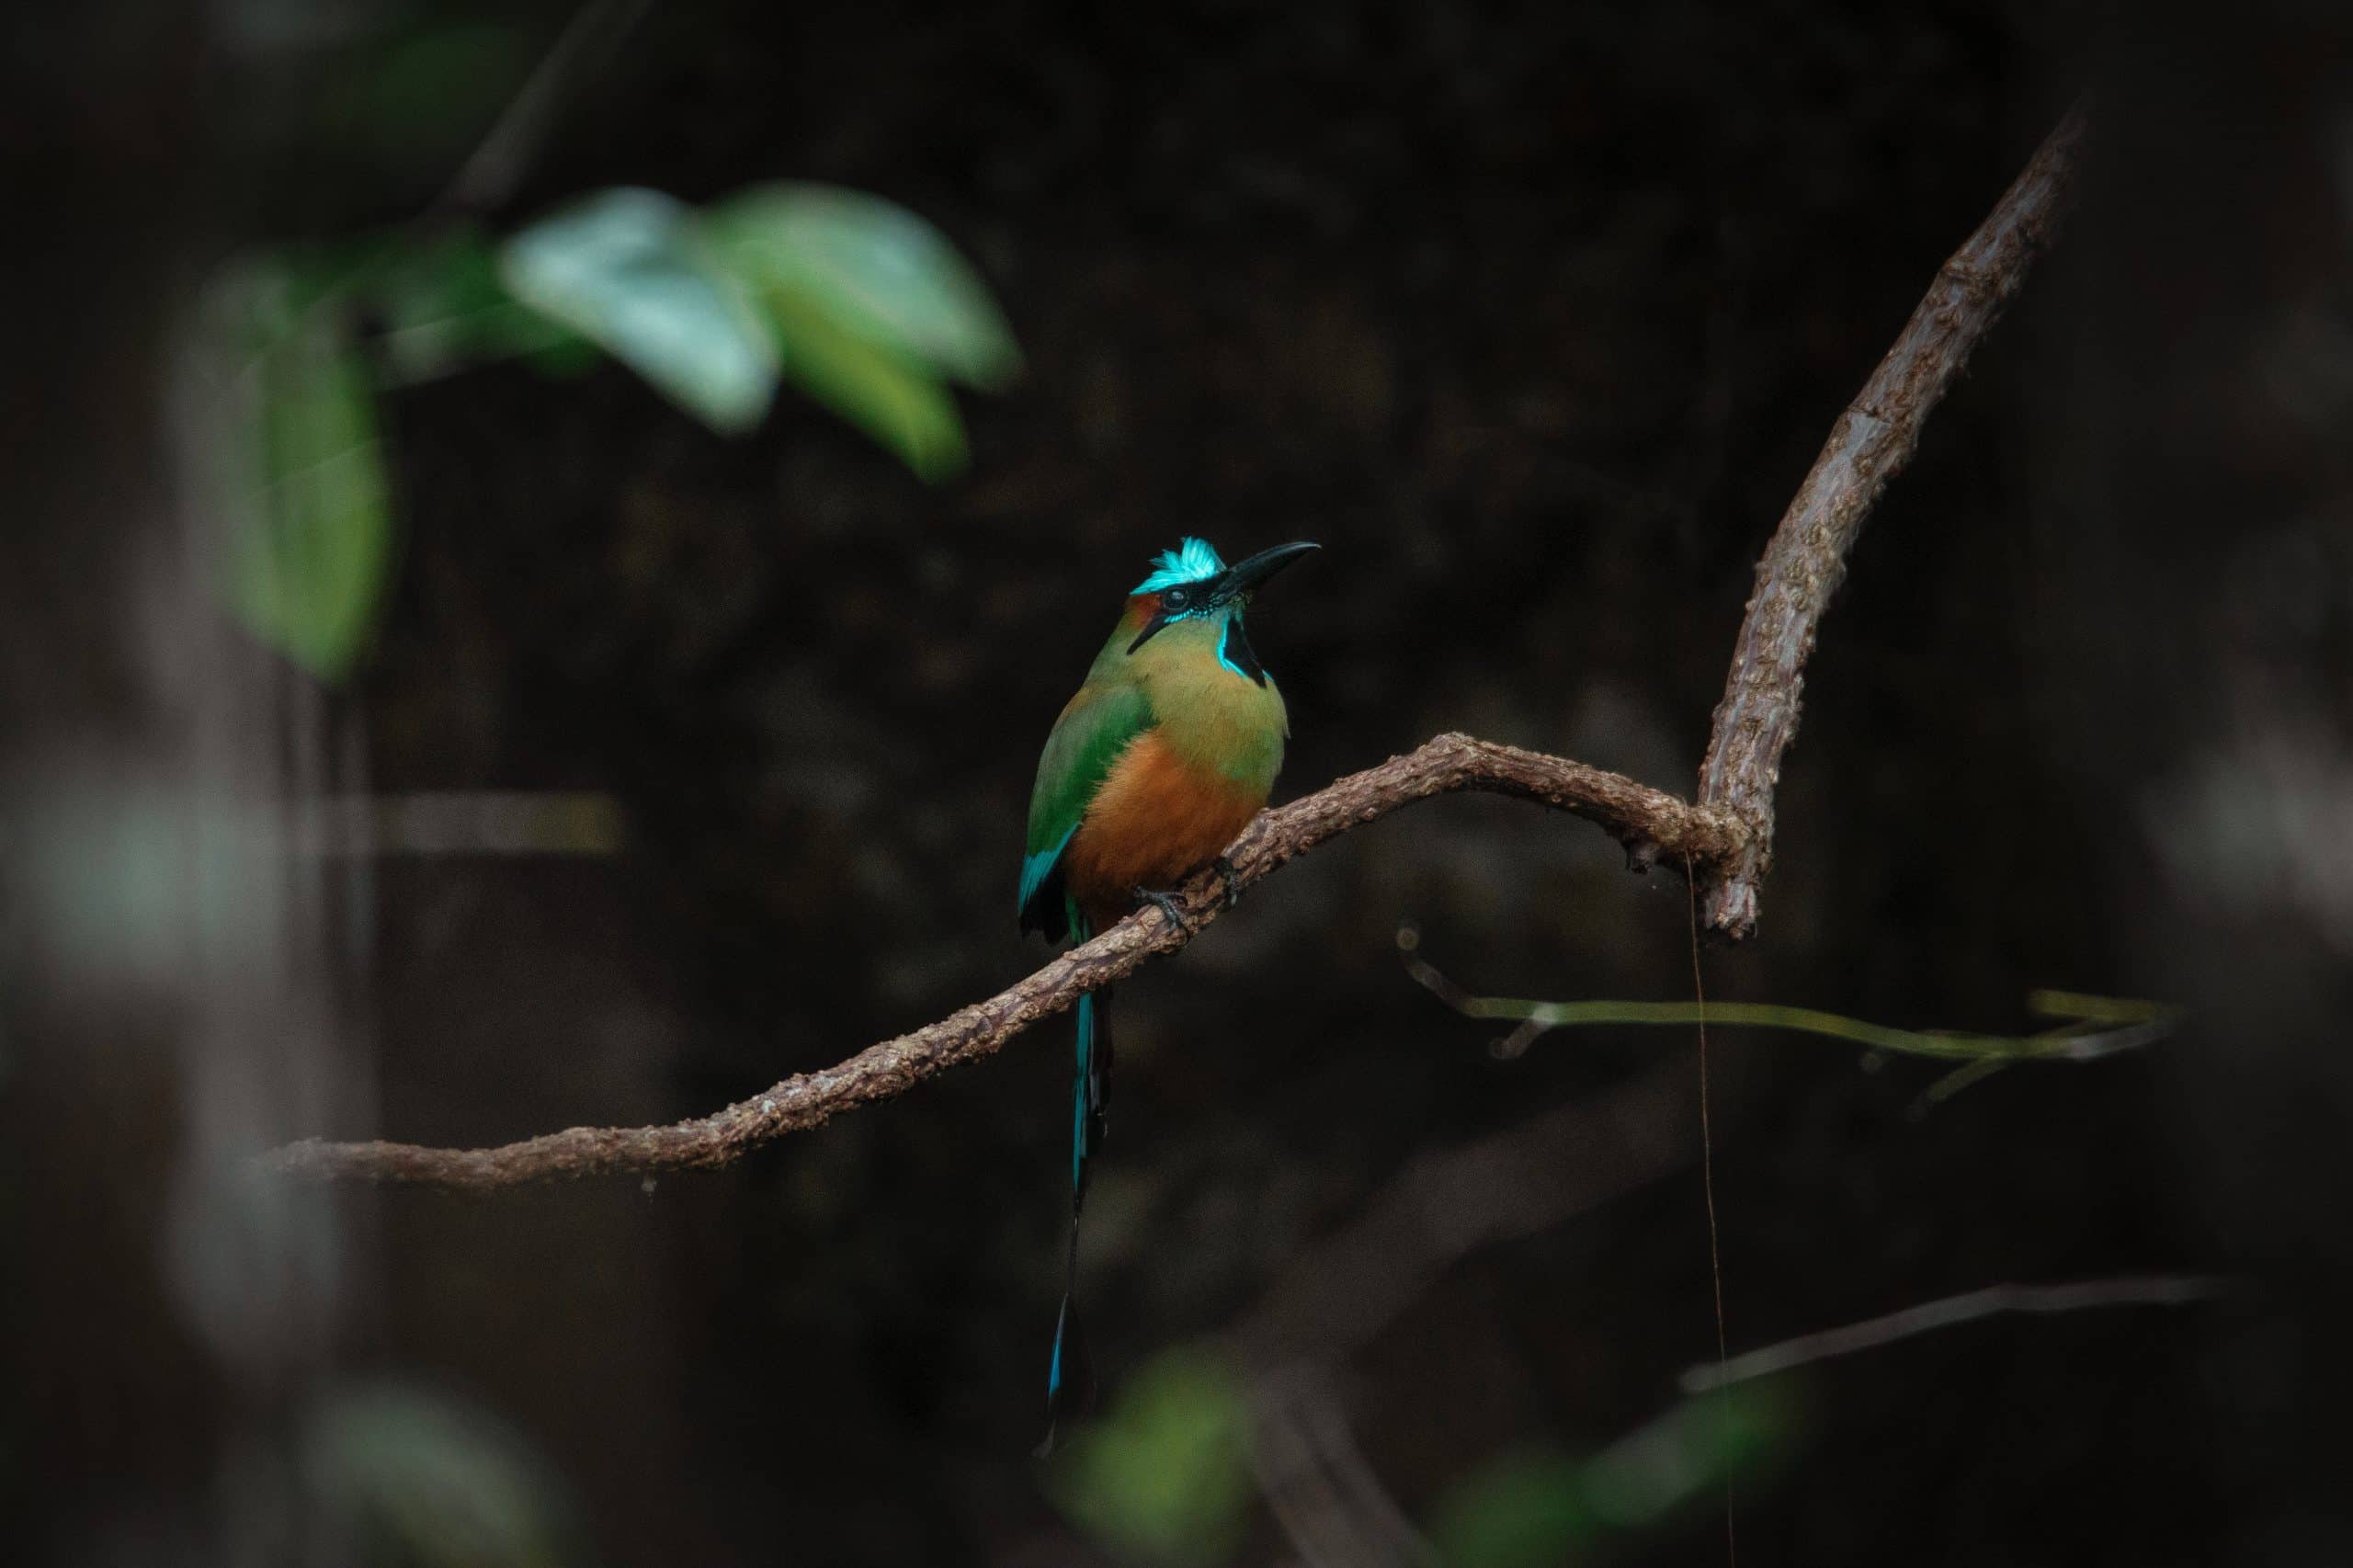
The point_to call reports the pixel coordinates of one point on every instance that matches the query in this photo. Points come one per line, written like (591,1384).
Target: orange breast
(1156,819)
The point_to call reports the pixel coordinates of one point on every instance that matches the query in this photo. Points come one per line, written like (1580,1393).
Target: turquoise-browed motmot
(1168,749)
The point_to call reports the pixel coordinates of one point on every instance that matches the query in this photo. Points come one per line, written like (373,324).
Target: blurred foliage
(308,560)
(875,269)
(1541,1508)
(441,306)
(1163,1475)
(860,303)
(417,1477)
(875,312)
(629,270)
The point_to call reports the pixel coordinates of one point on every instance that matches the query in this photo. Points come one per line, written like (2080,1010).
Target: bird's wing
(1099,723)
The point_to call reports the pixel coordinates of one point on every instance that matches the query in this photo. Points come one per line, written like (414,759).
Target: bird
(1169,748)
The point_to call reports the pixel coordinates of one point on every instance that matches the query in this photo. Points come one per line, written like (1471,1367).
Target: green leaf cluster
(857,301)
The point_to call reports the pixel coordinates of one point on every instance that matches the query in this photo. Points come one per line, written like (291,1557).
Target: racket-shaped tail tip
(1070,1377)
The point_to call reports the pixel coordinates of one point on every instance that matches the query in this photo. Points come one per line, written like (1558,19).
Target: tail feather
(1090,1089)
(1070,1376)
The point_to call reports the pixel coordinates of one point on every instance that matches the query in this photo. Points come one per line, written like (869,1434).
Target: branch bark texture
(1869,445)
(1648,822)
(1726,840)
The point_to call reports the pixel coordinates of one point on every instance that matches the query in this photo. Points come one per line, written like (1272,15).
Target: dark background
(1533,316)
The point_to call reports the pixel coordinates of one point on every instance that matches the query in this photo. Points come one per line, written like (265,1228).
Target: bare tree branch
(1868,446)
(1647,821)
(2161,1290)
(1726,840)
(1317,1481)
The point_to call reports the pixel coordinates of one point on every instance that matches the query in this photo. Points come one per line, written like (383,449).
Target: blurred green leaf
(897,404)
(877,270)
(1164,1476)
(1541,1508)
(414,1476)
(631,269)
(1526,1510)
(443,307)
(1685,1457)
(310,515)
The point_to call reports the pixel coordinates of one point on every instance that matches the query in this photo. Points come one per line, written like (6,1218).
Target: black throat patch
(1235,652)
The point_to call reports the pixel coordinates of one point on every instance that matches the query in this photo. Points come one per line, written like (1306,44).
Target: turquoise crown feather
(1189,562)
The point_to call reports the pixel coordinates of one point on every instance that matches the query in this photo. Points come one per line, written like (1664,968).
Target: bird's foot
(1166,903)
(1232,883)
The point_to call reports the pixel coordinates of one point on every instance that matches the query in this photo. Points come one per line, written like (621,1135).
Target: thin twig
(1646,820)
(1868,446)
(2162,1290)
(491,172)
(2127,1023)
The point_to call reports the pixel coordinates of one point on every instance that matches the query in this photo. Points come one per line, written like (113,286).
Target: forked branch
(1726,840)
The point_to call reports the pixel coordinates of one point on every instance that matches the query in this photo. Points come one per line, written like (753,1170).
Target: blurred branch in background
(491,173)
(1719,839)
(1317,1481)
(1343,1289)
(2160,1290)
(1156,1475)
(1163,1476)
(462,822)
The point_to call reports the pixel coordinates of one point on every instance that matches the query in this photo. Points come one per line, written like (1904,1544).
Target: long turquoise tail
(1070,1376)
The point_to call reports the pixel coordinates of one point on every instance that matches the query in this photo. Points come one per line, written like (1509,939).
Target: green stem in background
(2091,1026)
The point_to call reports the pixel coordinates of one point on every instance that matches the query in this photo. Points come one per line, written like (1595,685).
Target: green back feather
(1098,724)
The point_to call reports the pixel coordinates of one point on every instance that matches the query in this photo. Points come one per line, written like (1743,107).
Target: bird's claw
(1232,883)
(1166,903)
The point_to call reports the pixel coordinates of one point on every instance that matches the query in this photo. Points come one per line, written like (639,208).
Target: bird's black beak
(1228,587)
(1244,577)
